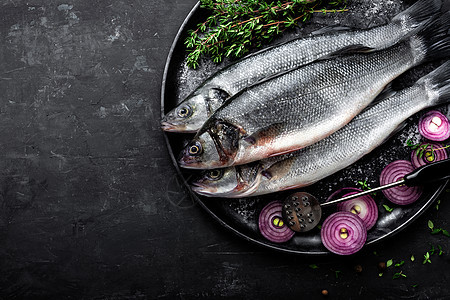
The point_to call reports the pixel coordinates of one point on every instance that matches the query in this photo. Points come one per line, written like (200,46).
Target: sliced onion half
(343,233)
(433,152)
(401,195)
(434,126)
(271,223)
(364,207)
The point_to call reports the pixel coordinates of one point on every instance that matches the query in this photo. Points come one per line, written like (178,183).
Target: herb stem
(234,26)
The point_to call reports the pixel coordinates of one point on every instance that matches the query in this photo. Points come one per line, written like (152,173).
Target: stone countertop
(90,204)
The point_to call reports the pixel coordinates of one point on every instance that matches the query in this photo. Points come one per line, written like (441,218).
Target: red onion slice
(434,126)
(271,223)
(343,233)
(401,195)
(364,207)
(433,152)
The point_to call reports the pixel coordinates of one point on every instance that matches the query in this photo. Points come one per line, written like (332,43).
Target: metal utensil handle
(437,171)
(353,196)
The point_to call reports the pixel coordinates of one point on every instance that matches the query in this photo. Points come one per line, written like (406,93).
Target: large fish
(303,106)
(311,164)
(190,115)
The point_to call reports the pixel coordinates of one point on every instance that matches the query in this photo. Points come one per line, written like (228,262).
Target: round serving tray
(241,215)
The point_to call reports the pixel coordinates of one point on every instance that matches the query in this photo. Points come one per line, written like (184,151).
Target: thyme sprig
(236,26)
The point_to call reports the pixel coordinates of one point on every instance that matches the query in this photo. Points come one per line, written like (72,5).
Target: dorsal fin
(265,134)
(330,29)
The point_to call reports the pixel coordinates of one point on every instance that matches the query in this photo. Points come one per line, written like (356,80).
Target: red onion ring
(428,156)
(363,207)
(401,195)
(434,126)
(270,226)
(343,233)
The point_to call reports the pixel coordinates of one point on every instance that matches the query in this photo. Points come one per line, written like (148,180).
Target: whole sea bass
(190,115)
(309,165)
(303,106)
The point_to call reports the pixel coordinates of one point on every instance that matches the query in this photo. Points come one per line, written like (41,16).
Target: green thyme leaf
(432,250)
(426,258)
(436,231)
(430,224)
(438,203)
(412,258)
(313,266)
(398,275)
(389,263)
(400,264)
(233,27)
(387,208)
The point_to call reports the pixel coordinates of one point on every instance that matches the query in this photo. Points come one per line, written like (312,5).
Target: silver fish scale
(302,51)
(313,101)
(367,131)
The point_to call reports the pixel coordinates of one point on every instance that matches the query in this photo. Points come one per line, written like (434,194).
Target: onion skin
(400,195)
(355,230)
(432,131)
(421,161)
(276,234)
(368,209)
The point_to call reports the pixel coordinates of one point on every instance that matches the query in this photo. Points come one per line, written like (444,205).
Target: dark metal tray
(241,215)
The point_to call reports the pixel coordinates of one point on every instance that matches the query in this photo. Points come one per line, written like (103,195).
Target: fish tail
(438,84)
(419,12)
(432,42)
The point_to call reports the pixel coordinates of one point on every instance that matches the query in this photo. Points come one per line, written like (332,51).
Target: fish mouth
(203,189)
(191,162)
(209,191)
(167,126)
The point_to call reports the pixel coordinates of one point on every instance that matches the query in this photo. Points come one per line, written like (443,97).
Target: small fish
(311,164)
(303,106)
(190,115)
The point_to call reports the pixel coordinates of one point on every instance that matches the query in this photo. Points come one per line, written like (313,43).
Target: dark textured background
(90,205)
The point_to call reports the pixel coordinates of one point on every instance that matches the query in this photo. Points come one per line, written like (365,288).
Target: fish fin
(278,169)
(433,39)
(265,134)
(417,13)
(330,29)
(358,48)
(440,80)
(386,93)
(218,93)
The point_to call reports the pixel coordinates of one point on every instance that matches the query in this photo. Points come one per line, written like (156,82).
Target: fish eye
(195,149)
(215,174)
(184,112)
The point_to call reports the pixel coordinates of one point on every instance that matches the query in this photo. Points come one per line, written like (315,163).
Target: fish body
(306,166)
(303,106)
(190,115)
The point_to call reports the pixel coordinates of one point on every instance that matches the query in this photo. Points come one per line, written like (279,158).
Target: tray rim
(199,201)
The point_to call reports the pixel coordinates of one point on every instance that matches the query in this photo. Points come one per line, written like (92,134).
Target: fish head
(188,116)
(231,182)
(191,114)
(215,145)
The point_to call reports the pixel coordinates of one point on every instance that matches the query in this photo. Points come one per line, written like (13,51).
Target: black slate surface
(90,204)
